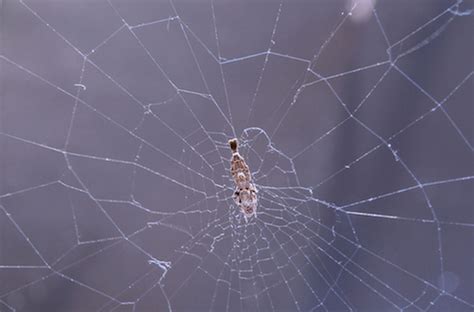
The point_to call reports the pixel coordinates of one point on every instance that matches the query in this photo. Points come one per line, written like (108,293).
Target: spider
(245,195)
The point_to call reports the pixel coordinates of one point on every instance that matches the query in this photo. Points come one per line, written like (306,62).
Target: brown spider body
(245,195)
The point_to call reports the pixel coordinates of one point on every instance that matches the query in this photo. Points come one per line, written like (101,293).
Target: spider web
(355,119)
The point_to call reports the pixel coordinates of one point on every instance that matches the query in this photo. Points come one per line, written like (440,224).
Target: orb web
(354,117)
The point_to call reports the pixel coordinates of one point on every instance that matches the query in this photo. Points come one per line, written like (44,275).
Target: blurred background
(354,117)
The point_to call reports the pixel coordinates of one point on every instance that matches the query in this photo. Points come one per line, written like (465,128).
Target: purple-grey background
(355,120)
